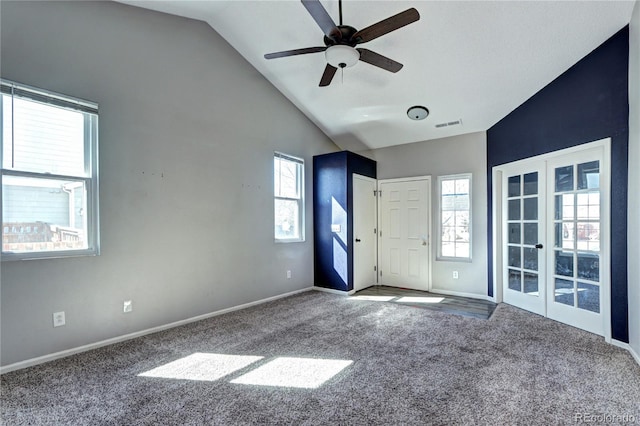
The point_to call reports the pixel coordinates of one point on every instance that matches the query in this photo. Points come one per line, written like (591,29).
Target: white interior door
(555,259)
(364,232)
(404,218)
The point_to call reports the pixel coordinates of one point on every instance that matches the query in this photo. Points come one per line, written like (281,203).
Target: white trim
(463,294)
(62,354)
(406,179)
(332,291)
(497,261)
(628,347)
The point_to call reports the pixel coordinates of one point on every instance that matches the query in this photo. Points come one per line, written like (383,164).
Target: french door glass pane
(588,206)
(514,209)
(530,258)
(530,210)
(589,266)
(514,256)
(564,263)
(589,175)
(589,297)
(530,233)
(564,235)
(564,209)
(530,184)
(563,292)
(515,280)
(530,283)
(514,233)
(564,179)
(514,186)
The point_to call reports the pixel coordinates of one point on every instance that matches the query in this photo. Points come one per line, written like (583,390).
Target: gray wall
(187,134)
(634,180)
(447,156)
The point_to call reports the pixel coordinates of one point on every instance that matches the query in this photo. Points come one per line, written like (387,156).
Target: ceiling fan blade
(378,60)
(327,76)
(294,52)
(320,15)
(386,25)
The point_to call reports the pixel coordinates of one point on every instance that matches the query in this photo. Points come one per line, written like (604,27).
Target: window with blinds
(49,174)
(288,182)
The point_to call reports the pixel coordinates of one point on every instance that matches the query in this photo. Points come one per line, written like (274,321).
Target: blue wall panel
(333,202)
(586,103)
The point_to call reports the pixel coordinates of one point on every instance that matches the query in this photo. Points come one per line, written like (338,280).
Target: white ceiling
(473,61)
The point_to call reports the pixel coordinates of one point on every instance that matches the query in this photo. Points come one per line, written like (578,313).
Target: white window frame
(440,180)
(90,176)
(299,200)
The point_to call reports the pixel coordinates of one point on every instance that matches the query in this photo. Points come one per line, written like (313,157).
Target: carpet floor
(319,358)
(423,299)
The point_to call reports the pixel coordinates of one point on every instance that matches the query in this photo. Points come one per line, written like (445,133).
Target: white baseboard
(62,354)
(462,294)
(330,290)
(628,347)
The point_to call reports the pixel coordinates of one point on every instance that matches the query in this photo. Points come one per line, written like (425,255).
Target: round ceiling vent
(417,112)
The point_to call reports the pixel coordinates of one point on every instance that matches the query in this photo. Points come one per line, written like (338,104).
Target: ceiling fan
(340,40)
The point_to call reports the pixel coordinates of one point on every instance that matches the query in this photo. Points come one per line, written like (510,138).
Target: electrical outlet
(128,306)
(288,275)
(455,275)
(58,319)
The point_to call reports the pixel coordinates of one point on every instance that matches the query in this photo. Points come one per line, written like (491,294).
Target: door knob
(357,240)
(539,246)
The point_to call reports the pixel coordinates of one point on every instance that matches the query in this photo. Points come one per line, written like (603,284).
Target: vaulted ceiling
(467,61)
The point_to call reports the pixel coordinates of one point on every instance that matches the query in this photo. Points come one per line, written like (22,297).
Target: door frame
(429,222)
(605,189)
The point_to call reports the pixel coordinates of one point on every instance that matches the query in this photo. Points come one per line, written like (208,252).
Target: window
(288,183)
(455,217)
(49,174)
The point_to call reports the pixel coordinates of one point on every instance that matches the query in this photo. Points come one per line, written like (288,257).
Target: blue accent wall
(333,189)
(586,103)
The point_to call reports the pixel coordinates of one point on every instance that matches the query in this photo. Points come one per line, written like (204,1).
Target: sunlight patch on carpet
(373,298)
(294,372)
(202,366)
(420,299)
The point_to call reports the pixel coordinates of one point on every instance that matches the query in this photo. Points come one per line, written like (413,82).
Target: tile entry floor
(421,299)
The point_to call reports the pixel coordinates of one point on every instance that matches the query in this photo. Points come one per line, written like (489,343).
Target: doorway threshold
(465,306)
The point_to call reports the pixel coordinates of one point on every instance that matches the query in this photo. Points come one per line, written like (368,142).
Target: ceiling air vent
(450,123)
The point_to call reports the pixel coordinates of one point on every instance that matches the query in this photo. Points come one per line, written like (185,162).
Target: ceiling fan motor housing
(342,34)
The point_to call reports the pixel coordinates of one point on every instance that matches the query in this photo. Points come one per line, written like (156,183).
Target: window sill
(297,240)
(10,257)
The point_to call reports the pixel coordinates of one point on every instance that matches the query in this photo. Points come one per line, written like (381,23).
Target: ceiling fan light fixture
(417,112)
(341,56)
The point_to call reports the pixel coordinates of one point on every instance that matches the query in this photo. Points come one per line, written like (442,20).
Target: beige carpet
(318,358)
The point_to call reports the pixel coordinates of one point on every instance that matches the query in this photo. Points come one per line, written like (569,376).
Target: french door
(524,230)
(555,239)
